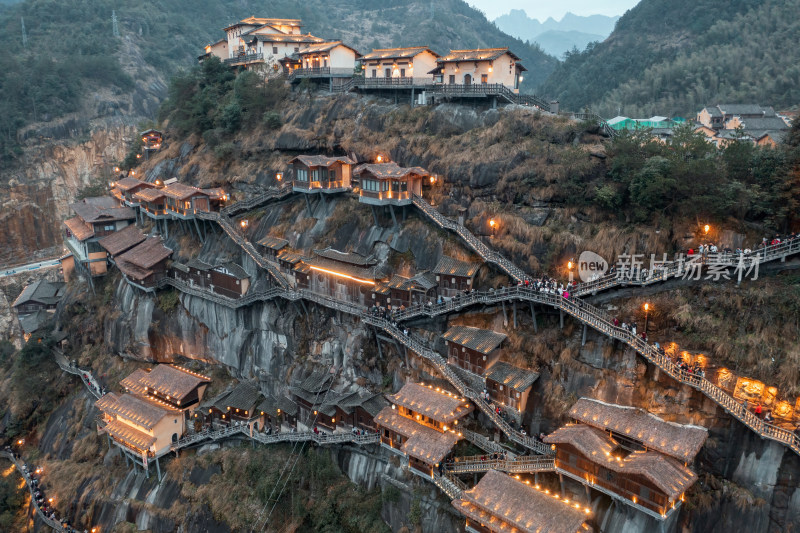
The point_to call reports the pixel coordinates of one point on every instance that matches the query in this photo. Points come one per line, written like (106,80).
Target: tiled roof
(233,270)
(167,380)
(346,257)
(766,123)
(290,256)
(42,291)
(372,273)
(129,435)
(422,442)
(440,406)
(199,265)
(259,21)
(132,271)
(179,191)
(273,243)
(453,267)
(271,405)
(243,397)
(317,381)
(80,229)
(591,442)
(321,160)
(478,54)
(147,254)
(215,193)
(33,321)
(746,109)
(98,210)
(664,472)
(130,407)
(423,280)
(680,441)
(122,240)
(480,340)
(397,53)
(129,183)
(505,505)
(149,195)
(283,38)
(514,377)
(389,170)
(325,47)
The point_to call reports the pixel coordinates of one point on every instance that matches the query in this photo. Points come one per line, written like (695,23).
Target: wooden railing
(487,254)
(517,465)
(671,269)
(244,58)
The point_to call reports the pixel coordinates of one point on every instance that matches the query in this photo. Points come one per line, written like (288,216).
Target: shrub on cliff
(168,300)
(210,97)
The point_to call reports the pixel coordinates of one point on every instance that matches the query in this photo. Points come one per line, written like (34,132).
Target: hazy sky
(541,9)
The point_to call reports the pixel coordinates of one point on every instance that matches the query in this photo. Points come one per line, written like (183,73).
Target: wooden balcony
(658,507)
(320,72)
(319,186)
(244,59)
(385,197)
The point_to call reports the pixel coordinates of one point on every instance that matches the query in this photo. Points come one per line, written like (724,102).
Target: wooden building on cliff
(95,218)
(629,454)
(145,264)
(501,504)
(125,190)
(345,276)
(422,423)
(454,276)
(318,173)
(227,279)
(510,386)
(417,290)
(473,349)
(145,420)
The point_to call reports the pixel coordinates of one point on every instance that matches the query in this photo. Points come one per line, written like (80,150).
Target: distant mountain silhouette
(557,36)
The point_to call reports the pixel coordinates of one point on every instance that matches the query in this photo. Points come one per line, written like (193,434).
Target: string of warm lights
(547,492)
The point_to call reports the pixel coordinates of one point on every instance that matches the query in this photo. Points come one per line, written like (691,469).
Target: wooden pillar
(197,227)
(533,316)
(158,470)
(561,483)
(515,313)
(308,205)
(505,315)
(583,339)
(536,478)
(374,215)
(561,317)
(394,218)
(378,342)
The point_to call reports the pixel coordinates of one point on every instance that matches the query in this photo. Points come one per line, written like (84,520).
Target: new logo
(591,266)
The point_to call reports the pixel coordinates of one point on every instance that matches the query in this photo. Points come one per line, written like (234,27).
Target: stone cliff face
(61,156)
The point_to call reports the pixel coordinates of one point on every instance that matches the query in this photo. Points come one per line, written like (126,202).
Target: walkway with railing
(484,463)
(691,267)
(86,376)
(591,316)
(237,237)
(54,524)
(257,200)
(449,484)
(486,253)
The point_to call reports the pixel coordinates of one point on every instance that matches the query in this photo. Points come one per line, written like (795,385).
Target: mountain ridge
(700,52)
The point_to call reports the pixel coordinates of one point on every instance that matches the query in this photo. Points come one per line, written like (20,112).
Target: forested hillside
(672,57)
(70,47)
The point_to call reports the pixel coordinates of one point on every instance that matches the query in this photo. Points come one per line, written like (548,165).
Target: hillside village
(459,417)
